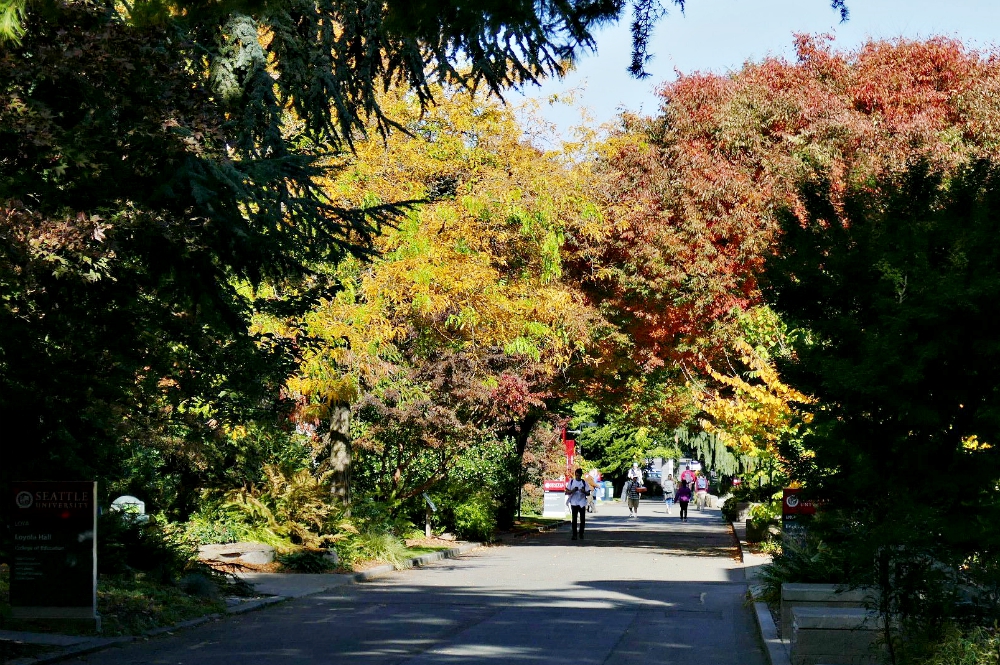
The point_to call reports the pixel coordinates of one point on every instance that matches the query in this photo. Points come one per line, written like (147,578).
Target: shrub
(307,561)
(807,560)
(762,513)
(729,510)
(475,519)
(382,547)
(291,509)
(210,526)
(976,646)
(125,546)
(376,517)
(199,584)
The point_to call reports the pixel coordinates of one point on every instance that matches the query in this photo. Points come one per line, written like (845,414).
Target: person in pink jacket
(683,498)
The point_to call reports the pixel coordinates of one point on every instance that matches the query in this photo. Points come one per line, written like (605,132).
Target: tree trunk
(338,437)
(509,498)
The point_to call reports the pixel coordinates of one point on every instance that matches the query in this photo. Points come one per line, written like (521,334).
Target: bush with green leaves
(763,513)
(290,509)
(307,560)
(730,510)
(807,559)
(974,646)
(155,548)
(475,519)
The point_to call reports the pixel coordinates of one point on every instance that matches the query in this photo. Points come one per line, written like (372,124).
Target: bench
(835,635)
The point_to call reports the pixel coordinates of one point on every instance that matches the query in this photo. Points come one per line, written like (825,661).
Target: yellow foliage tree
(472,270)
(753,410)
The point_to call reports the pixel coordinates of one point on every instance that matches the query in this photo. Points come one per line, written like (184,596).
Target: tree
(463,331)
(747,404)
(691,194)
(122,234)
(896,289)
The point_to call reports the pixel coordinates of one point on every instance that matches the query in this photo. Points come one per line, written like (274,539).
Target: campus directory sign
(54,571)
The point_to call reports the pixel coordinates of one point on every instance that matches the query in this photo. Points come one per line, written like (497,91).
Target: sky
(720,35)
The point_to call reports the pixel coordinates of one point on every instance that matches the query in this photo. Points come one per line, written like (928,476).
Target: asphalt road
(650,590)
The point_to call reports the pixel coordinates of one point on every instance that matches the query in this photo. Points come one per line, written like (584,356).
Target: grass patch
(422,550)
(128,605)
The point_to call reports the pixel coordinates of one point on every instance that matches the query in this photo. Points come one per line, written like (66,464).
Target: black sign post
(54,571)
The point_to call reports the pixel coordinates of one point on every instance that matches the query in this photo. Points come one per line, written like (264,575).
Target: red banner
(570,446)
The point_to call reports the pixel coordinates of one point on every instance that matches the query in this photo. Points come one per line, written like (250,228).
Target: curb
(256,604)
(775,649)
(100,644)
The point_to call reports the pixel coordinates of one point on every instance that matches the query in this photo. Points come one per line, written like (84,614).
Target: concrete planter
(816,596)
(846,635)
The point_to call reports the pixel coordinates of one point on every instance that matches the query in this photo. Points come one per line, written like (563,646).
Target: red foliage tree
(691,193)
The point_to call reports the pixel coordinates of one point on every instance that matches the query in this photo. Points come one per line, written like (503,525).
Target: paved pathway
(650,590)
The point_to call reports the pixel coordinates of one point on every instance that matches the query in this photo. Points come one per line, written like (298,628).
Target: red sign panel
(554,485)
(792,503)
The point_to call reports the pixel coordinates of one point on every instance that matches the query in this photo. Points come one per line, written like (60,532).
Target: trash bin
(609,490)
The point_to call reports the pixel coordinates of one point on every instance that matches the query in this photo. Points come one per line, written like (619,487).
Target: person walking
(577,490)
(683,499)
(632,497)
(669,487)
(592,494)
(688,475)
(701,490)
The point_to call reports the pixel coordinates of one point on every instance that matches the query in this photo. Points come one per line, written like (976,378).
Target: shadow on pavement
(599,621)
(544,598)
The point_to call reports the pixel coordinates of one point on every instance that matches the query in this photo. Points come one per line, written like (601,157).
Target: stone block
(252,553)
(841,635)
(816,595)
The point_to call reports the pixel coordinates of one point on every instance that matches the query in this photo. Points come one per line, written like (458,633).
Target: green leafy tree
(896,288)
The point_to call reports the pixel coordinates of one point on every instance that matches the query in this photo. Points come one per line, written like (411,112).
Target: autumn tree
(743,399)
(691,193)
(860,187)
(464,329)
(159,162)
